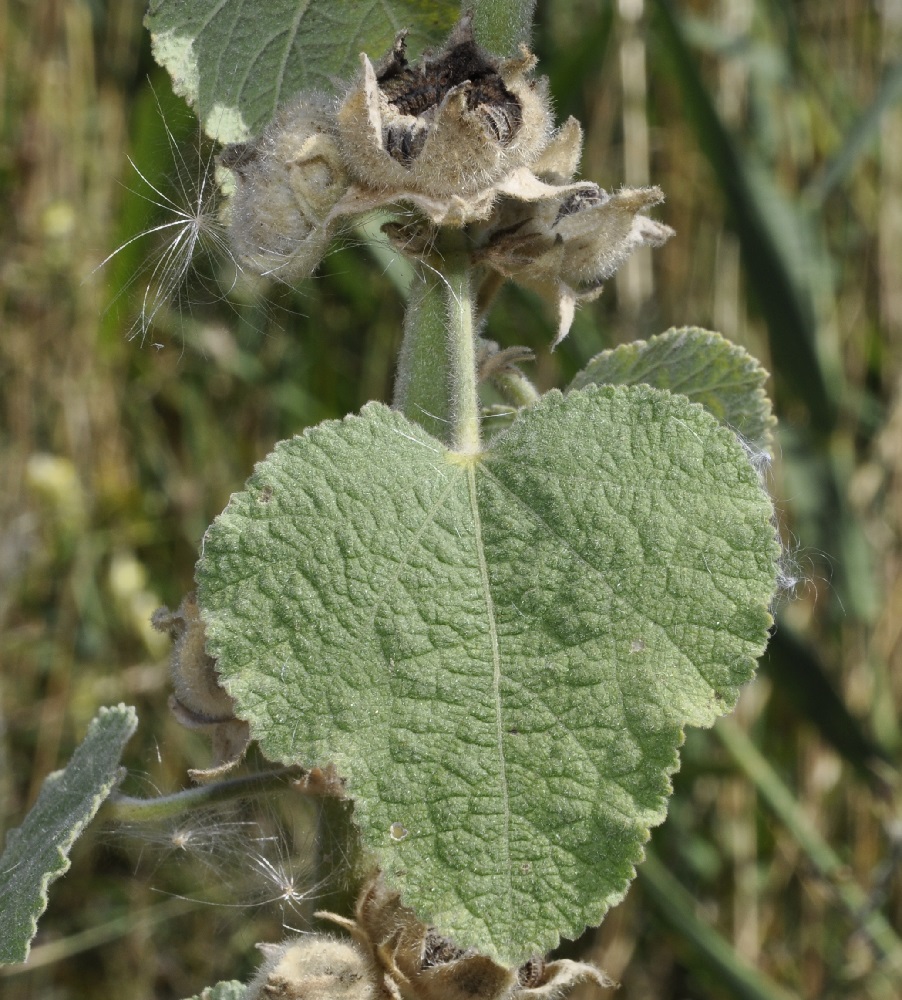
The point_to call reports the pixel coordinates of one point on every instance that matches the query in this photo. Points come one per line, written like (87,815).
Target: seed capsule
(447,128)
(567,245)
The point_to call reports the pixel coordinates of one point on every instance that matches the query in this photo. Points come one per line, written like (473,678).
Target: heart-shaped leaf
(498,652)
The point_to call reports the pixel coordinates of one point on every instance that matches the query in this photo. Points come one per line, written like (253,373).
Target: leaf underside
(236,62)
(499,654)
(710,370)
(37,852)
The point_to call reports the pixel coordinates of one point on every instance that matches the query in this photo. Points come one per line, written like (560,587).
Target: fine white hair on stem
(211,838)
(239,857)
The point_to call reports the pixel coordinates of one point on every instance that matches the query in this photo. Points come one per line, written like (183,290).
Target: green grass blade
(784,300)
(862,133)
(821,854)
(678,907)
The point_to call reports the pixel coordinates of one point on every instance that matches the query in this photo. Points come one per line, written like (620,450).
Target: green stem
(393,265)
(500,25)
(126,809)
(462,352)
(422,385)
(436,381)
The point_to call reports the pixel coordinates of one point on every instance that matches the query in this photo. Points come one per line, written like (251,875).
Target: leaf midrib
(496,679)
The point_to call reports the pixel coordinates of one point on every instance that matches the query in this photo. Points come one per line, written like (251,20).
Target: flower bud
(287,183)
(315,967)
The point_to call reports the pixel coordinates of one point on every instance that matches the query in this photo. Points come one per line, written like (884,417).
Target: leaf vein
(496,681)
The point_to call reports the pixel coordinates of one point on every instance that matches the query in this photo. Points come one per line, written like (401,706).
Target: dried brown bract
(566,247)
(466,139)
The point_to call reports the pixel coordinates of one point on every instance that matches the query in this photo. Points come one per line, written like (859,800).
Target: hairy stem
(501,25)
(462,350)
(126,808)
(436,381)
(422,385)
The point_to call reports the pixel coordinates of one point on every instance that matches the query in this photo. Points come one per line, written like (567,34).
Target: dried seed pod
(600,230)
(198,700)
(418,963)
(553,980)
(568,247)
(442,132)
(564,238)
(287,183)
(195,682)
(316,967)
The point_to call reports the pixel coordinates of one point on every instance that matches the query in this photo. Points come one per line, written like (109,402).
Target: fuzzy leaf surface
(697,363)
(236,62)
(36,853)
(501,25)
(498,653)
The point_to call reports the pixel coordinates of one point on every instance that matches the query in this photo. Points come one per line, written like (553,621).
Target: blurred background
(775,130)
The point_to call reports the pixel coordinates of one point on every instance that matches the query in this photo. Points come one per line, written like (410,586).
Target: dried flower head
(416,962)
(567,246)
(463,136)
(444,132)
(287,183)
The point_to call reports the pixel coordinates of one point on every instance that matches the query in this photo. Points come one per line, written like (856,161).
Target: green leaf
(231,990)
(697,363)
(501,25)
(36,853)
(237,62)
(498,652)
